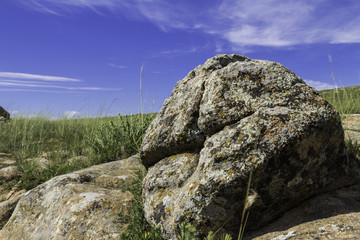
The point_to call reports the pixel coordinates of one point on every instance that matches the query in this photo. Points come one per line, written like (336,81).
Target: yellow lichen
(193,187)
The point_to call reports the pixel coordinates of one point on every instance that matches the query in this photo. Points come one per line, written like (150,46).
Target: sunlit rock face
(227,118)
(82,205)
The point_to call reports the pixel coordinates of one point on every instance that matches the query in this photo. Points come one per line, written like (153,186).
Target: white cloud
(37,77)
(165,14)
(178,51)
(71,114)
(33,90)
(279,23)
(10,83)
(14,113)
(272,23)
(116,66)
(21,82)
(319,85)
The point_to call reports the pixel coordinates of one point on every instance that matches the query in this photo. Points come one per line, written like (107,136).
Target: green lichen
(231,172)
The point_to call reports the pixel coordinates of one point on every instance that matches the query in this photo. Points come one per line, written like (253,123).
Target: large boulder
(227,118)
(4,115)
(82,205)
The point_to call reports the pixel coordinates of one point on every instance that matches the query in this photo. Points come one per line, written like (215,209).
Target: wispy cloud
(319,85)
(272,23)
(39,85)
(177,51)
(116,66)
(71,114)
(22,82)
(33,90)
(165,14)
(37,77)
(286,23)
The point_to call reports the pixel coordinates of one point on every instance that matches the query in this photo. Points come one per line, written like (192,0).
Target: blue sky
(83,57)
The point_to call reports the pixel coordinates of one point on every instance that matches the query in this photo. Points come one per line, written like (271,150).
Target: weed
(353,148)
(138,228)
(119,138)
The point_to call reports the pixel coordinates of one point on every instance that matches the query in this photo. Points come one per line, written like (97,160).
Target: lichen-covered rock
(226,118)
(333,215)
(9,173)
(351,125)
(82,205)
(8,204)
(4,115)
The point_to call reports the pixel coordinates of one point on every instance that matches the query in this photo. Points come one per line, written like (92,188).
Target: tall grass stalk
(345,99)
(246,210)
(141,95)
(336,92)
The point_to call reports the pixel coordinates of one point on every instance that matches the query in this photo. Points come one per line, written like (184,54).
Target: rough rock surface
(8,205)
(351,126)
(333,215)
(226,118)
(10,192)
(81,205)
(4,115)
(9,173)
(6,160)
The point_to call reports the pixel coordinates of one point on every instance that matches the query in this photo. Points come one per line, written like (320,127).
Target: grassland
(44,148)
(346,100)
(72,144)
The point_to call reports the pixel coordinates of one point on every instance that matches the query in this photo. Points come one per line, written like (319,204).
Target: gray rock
(332,215)
(226,118)
(9,173)
(7,207)
(4,115)
(82,205)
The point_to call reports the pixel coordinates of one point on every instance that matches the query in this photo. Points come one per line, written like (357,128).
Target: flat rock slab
(352,135)
(333,215)
(9,173)
(351,126)
(81,205)
(5,159)
(8,205)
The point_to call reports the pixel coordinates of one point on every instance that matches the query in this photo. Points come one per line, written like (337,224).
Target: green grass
(69,144)
(346,100)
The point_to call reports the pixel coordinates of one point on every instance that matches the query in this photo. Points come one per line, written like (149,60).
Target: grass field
(72,144)
(346,100)
(69,144)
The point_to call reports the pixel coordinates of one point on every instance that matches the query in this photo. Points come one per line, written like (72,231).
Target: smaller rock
(5,159)
(351,125)
(353,136)
(82,205)
(9,173)
(7,207)
(331,215)
(4,115)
